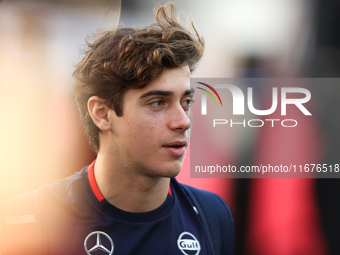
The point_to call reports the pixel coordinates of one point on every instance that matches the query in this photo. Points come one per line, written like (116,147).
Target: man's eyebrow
(165,93)
(189,92)
(157,93)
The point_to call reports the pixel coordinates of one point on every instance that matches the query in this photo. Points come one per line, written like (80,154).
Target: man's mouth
(177,148)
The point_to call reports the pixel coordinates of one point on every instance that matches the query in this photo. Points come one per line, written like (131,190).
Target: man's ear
(99,112)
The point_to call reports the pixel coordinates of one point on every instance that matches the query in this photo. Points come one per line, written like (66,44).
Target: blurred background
(42,139)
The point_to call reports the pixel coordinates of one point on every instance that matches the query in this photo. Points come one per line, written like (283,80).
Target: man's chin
(173,174)
(170,173)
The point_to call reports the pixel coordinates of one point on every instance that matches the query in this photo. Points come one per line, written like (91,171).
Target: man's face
(152,136)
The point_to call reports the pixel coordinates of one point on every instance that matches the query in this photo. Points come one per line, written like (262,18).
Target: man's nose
(179,119)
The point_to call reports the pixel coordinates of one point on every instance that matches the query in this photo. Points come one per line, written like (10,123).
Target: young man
(133,92)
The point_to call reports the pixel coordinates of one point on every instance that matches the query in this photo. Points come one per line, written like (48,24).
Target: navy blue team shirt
(71,217)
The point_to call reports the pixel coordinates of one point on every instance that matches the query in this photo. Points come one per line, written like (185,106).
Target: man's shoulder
(30,199)
(64,187)
(22,217)
(206,198)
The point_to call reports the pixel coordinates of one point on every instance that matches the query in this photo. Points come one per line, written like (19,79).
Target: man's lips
(176,148)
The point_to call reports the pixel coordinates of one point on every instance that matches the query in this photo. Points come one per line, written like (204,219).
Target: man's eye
(188,102)
(159,103)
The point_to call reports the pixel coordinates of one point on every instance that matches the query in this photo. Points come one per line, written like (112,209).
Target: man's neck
(128,191)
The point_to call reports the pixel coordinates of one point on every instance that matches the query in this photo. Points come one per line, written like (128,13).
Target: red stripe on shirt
(93,183)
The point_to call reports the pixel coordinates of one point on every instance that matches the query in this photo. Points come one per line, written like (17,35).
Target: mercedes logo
(103,242)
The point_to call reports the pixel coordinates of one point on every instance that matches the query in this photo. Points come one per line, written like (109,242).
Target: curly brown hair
(126,58)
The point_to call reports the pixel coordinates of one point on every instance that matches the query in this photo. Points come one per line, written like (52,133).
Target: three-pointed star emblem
(100,236)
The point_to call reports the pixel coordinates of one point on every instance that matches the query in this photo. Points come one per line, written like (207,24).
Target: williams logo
(188,244)
(204,97)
